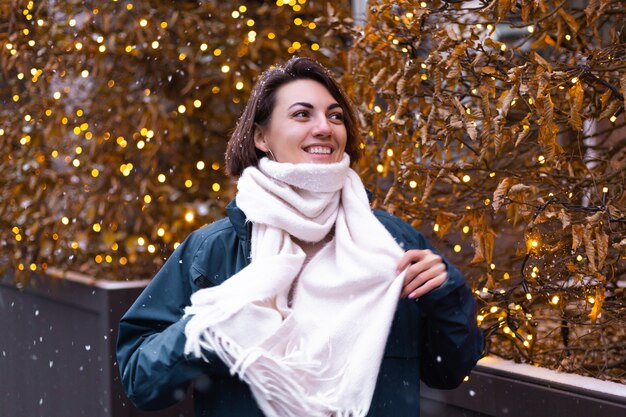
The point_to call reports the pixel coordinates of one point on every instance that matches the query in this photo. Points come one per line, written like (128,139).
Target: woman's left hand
(426,271)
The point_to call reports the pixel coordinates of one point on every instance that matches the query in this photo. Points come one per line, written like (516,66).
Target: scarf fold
(317,354)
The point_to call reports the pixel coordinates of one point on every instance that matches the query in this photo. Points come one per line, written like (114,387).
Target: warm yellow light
(141,241)
(72,22)
(529,296)
(239,85)
(151,248)
(250,22)
(215,187)
(215,166)
(225,68)
(76,163)
(379,168)
(74,245)
(555,299)
(102,48)
(96,227)
(457,248)
(424,77)
(188,183)
(413,184)
(147,199)
(141,144)
(161,178)
(506,275)
(466,178)
(613,118)
(182,109)
(155,44)
(200,165)
(574,80)
(377,109)
(271,35)
(143,23)
(579,258)
(189,216)
(161,232)
(33,267)
(123,260)
(530,29)
(466,229)
(534,243)
(591,300)
(235,14)
(197,104)
(493,309)
(568,37)
(503,47)
(243,9)
(389,152)
(436,227)
(541,159)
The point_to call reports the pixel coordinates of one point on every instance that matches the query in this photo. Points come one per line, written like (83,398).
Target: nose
(322,127)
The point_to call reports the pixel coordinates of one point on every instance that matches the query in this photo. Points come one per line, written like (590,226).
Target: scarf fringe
(275,382)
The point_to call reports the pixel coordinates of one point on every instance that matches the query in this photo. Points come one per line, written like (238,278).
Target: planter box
(501,388)
(57,349)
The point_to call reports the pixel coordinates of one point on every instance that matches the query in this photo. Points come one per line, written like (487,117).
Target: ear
(259,139)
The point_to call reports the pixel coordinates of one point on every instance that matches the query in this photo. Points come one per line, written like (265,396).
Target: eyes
(334,115)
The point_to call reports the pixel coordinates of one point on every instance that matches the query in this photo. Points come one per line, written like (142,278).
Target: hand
(426,271)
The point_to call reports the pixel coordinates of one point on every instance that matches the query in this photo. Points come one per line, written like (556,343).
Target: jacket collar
(238,219)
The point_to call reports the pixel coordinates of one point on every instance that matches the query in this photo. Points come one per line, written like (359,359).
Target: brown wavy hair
(241,152)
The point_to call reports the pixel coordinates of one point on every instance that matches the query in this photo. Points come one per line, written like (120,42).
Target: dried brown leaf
(590,249)
(578,235)
(569,19)
(597,305)
(576,103)
(602,247)
(500,193)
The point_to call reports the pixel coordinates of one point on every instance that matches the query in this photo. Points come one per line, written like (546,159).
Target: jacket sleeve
(451,342)
(150,348)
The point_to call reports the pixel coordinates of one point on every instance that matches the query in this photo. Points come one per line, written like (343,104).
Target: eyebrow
(310,106)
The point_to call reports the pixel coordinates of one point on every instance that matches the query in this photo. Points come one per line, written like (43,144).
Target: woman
(303,301)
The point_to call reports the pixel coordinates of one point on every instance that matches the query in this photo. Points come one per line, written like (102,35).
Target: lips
(319,150)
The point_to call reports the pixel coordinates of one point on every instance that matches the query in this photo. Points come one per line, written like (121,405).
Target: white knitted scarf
(307,338)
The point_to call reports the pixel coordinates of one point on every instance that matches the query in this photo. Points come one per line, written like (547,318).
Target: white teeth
(319,150)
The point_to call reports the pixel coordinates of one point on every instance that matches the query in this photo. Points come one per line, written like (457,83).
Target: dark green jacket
(435,339)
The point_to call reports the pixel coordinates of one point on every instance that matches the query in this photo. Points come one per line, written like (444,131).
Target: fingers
(410,257)
(425,271)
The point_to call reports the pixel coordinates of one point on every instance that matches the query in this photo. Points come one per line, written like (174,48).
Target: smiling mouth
(319,150)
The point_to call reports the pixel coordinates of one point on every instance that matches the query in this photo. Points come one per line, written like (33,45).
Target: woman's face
(306,125)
